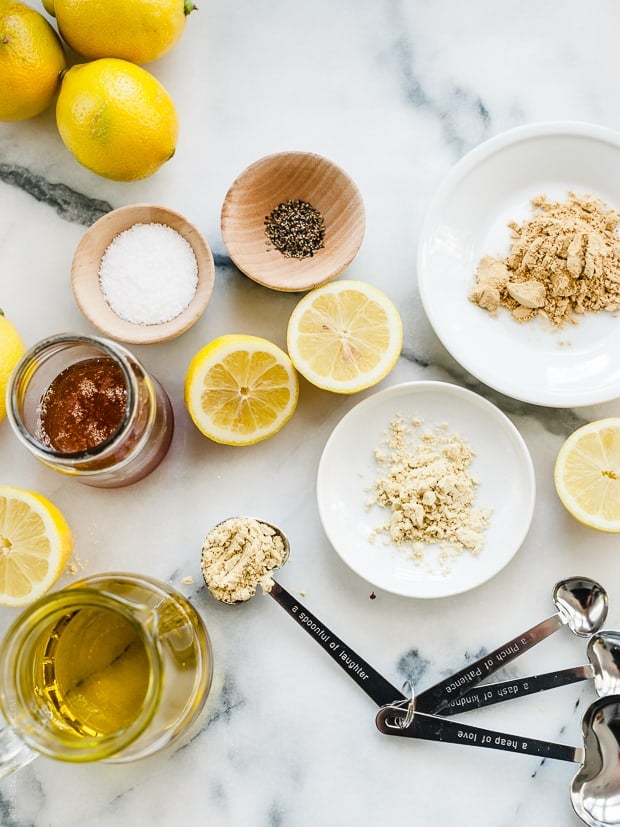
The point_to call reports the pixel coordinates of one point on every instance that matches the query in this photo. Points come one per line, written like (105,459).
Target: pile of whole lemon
(114,116)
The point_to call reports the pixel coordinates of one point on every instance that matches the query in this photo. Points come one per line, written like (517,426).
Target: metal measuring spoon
(595,789)
(582,606)
(362,673)
(603,651)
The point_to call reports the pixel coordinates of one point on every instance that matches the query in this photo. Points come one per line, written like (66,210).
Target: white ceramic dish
(348,468)
(573,366)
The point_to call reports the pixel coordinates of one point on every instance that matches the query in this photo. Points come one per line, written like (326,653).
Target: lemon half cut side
(587,474)
(240,389)
(35,545)
(345,336)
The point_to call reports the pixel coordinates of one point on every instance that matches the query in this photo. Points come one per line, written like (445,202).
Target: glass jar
(139,436)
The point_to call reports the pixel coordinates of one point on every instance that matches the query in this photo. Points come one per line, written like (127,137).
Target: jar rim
(24,370)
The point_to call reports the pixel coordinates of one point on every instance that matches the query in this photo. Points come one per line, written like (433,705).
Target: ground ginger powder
(563,262)
(238,555)
(426,483)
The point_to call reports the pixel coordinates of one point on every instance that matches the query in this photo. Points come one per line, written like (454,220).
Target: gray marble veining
(396,92)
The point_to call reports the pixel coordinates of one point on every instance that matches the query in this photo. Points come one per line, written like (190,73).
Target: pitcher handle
(14,753)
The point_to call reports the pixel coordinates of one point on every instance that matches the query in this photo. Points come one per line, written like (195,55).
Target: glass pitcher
(113,667)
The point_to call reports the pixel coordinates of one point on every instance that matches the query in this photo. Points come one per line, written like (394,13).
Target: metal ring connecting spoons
(603,651)
(582,606)
(595,789)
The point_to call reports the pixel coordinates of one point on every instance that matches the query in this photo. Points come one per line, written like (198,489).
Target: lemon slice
(344,336)
(240,389)
(11,349)
(587,474)
(35,544)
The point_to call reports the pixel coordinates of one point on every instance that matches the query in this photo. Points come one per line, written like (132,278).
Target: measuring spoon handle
(365,676)
(494,693)
(437,697)
(389,721)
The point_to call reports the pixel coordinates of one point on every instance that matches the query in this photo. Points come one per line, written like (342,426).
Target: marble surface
(395,92)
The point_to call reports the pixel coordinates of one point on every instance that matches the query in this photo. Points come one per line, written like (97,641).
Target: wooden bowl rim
(305,274)
(85,274)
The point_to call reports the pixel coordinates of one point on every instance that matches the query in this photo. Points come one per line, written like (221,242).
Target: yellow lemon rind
(59,535)
(116,119)
(362,381)
(11,350)
(210,356)
(568,499)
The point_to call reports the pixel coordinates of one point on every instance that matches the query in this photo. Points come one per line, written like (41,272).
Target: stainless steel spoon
(595,789)
(603,651)
(582,606)
(362,673)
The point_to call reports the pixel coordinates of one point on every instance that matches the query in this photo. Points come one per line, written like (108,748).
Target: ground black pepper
(295,228)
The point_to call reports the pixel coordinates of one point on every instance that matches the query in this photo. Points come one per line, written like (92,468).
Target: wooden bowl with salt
(292,221)
(142,274)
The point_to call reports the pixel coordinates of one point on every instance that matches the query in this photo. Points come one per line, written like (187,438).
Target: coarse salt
(148,274)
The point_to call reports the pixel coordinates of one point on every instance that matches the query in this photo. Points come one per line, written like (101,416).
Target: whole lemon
(116,119)
(31,60)
(135,30)
(11,350)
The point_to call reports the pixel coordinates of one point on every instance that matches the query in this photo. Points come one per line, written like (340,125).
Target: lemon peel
(31,60)
(35,545)
(11,350)
(139,31)
(116,119)
(587,474)
(344,336)
(240,389)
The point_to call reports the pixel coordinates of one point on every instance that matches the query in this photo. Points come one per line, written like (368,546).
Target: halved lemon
(240,389)
(587,474)
(35,545)
(344,336)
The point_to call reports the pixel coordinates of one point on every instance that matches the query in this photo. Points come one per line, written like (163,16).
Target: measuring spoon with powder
(582,606)
(603,651)
(241,553)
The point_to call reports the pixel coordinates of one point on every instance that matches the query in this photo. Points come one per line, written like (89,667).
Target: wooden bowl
(87,288)
(278,178)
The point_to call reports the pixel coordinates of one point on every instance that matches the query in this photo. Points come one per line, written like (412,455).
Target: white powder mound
(426,484)
(148,274)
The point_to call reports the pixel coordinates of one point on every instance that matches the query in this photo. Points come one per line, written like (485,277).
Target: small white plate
(468,218)
(348,469)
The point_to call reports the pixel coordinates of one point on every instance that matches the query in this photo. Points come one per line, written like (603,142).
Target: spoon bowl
(582,604)
(238,555)
(603,652)
(595,789)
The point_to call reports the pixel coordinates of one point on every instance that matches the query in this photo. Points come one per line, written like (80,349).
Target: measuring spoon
(582,606)
(595,789)
(365,676)
(603,651)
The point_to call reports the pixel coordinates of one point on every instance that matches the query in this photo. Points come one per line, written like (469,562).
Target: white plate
(348,468)
(493,184)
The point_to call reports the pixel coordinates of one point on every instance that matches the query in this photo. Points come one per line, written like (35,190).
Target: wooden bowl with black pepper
(292,221)
(142,274)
